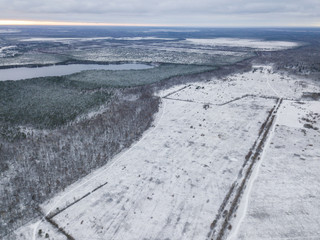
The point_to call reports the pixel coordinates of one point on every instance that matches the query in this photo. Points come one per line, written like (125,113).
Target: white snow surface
(291,113)
(26,232)
(172,182)
(285,201)
(6,47)
(9,31)
(92,39)
(261,81)
(243,42)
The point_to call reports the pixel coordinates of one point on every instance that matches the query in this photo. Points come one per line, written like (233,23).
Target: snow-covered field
(285,200)
(7,51)
(261,81)
(171,184)
(259,44)
(93,39)
(243,42)
(6,31)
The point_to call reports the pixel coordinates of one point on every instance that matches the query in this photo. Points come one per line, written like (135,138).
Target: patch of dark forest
(41,164)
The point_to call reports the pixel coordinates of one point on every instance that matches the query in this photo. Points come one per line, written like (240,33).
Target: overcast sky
(168,12)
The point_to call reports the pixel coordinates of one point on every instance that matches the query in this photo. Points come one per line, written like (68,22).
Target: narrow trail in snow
(227,211)
(268,82)
(53,214)
(252,173)
(180,89)
(243,206)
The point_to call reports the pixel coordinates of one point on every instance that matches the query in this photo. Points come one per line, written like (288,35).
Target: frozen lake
(60,70)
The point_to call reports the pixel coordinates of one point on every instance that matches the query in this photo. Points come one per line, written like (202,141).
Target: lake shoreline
(22,73)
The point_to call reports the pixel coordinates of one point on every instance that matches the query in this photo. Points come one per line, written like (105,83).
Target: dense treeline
(47,102)
(304,60)
(45,162)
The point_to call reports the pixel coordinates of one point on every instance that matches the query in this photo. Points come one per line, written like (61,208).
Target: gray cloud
(180,12)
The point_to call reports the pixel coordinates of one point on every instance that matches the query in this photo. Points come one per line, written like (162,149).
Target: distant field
(165,53)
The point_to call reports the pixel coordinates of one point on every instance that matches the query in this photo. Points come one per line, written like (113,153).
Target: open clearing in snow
(261,81)
(285,200)
(243,42)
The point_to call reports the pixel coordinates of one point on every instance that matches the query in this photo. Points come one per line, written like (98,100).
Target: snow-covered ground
(6,31)
(261,81)
(5,48)
(258,44)
(7,51)
(171,184)
(243,42)
(285,200)
(93,39)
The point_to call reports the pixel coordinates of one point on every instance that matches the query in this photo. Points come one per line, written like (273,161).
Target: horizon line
(5,22)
